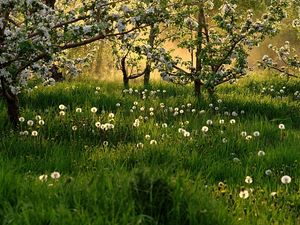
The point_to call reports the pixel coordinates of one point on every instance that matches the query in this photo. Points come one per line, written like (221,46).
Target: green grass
(107,179)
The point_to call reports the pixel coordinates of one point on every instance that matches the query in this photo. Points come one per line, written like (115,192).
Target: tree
(287,62)
(34,34)
(133,51)
(218,44)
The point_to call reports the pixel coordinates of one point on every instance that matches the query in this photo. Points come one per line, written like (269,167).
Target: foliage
(218,44)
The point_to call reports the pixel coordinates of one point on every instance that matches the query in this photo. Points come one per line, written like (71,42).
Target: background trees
(35,36)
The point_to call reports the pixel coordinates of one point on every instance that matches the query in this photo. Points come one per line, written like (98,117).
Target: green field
(153,161)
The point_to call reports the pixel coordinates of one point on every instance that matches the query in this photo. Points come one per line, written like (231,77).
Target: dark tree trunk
(125,82)
(199,66)
(147,75)
(12,102)
(125,73)
(151,42)
(197,86)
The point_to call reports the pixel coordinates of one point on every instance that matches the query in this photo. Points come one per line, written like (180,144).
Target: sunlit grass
(152,162)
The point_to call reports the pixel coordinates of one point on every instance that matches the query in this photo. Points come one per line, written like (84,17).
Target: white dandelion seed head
(62,107)
(43,177)
(256,134)
(286,179)
(55,175)
(78,110)
(281,126)
(209,122)
(30,123)
(153,142)
(244,194)
(248,180)
(204,129)
(94,109)
(268,172)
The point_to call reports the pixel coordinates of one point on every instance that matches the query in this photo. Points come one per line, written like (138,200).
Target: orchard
(177,125)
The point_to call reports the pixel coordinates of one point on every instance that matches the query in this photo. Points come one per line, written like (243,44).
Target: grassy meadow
(91,153)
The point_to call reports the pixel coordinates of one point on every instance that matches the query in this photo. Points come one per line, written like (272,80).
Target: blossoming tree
(34,34)
(287,62)
(217,44)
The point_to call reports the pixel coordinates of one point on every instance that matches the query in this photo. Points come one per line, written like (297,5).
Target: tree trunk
(199,66)
(12,102)
(125,82)
(152,36)
(147,75)
(197,86)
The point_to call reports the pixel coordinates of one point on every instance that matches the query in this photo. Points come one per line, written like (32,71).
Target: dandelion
(232,121)
(181,111)
(248,180)
(193,110)
(147,137)
(151,114)
(268,172)
(74,128)
(22,119)
(204,129)
(94,109)
(235,114)
(202,111)
(55,175)
(281,126)
(38,117)
(244,194)
(221,121)
(98,124)
(41,122)
(248,138)
(105,143)
(43,177)
(261,153)
(62,107)
(186,134)
(98,88)
(164,125)
(30,123)
(62,113)
(224,140)
(273,194)
(209,122)
(142,109)
(140,145)
(135,103)
(25,133)
(111,115)
(118,105)
(136,123)
(243,133)
(34,133)
(286,179)
(236,160)
(78,110)
(256,133)
(153,142)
